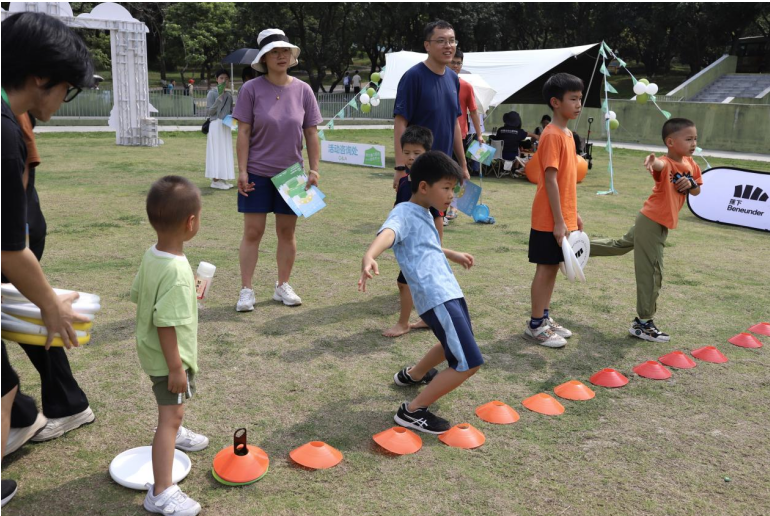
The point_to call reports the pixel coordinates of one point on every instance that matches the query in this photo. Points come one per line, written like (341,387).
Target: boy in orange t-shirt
(554,211)
(675,175)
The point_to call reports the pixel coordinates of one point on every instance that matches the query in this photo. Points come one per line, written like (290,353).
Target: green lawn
(323,372)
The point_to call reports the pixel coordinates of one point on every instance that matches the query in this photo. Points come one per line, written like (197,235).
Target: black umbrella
(242,56)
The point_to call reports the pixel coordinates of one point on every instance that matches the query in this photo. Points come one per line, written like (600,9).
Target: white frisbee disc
(30,310)
(133,468)
(12,295)
(581,246)
(578,269)
(569,264)
(13,324)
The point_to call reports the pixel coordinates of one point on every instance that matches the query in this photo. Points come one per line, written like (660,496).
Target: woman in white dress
(220,166)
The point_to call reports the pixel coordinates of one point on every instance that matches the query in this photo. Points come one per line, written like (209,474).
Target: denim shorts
(265,198)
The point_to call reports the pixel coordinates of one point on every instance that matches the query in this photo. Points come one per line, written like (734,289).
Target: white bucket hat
(269,39)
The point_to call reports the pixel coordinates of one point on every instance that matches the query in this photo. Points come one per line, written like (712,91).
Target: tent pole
(588,92)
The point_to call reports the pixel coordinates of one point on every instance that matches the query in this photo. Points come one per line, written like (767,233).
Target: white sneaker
(544,336)
(228,185)
(18,436)
(187,440)
(219,185)
(558,329)
(246,300)
(172,501)
(286,294)
(56,427)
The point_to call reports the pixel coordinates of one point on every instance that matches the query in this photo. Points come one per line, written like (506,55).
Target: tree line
(195,36)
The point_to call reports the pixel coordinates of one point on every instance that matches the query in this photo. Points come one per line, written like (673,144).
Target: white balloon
(364,98)
(612,115)
(640,88)
(651,89)
(375,101)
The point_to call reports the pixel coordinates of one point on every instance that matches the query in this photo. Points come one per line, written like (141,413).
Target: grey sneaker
(17,437)
(544,336)
(187,440)
(285,294)
(172,501)
(58,426)
(558,329)
(246,300)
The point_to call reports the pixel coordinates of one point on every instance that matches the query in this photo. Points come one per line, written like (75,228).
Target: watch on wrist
(400,168)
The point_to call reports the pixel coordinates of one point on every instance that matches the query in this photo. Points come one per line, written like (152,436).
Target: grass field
(323,372)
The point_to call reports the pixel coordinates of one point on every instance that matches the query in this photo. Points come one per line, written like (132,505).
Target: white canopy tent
(506,72)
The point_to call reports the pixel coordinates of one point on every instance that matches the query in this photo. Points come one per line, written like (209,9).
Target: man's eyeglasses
(72,92)
(444,42)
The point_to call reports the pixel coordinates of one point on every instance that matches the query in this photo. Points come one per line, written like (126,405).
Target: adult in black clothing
(512,135)
(43,64)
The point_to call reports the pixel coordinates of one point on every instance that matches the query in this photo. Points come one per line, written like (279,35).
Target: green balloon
(365,108)
(375,77)
(371,92)
(614,124)
(645,82)
(643,98)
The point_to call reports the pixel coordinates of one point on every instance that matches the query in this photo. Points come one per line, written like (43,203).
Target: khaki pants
(646,238)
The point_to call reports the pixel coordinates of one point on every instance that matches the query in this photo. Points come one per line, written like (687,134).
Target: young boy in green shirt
(167,333)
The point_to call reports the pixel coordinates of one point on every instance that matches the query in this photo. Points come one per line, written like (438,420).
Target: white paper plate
(569,260)
(133,468)
(12,295)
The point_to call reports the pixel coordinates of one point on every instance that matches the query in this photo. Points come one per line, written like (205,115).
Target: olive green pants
(646,238)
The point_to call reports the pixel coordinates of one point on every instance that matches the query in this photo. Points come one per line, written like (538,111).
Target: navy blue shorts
(265,198)
(451,324)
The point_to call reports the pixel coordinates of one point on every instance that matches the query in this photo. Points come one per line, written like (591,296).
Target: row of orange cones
(401,441)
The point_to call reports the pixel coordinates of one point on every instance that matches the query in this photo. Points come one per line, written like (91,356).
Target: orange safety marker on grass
(652,370)
(709,354)
(677,359)
(399,440)
(544,404)
(762,328)
(463,435)
(240,464)
(745,340)
(608,377)
(497,412)
(574,390)
(316,455)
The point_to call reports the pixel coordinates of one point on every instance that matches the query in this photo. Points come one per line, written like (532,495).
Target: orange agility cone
(709,354)
(677,359)
(544,404)
(399,440)
(241,464)
(652,370)
(316,455)
(498,413)
(762,328)
(574,390)
(745,340)
(608,378)
(463,436)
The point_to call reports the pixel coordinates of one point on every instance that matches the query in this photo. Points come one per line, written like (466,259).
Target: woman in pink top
(274,113)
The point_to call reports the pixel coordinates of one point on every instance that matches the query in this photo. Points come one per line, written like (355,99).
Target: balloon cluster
(644,89)
(613,118)
(369,98)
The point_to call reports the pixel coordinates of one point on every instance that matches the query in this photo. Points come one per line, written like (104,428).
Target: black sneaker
(9,491)
(648,331)
(403,379)
(421,420)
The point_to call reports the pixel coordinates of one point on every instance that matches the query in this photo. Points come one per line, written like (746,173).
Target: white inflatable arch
(131,112)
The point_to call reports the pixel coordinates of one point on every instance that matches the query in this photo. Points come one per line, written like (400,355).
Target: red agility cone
(709,354)
(574,390)
(497,412)
(462,436)
(399,440)
(608,378)
(544,404)
(762,328)
(677,359)
(652,370)
(745,340)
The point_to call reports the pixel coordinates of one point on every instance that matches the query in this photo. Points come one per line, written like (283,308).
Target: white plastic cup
(203,279)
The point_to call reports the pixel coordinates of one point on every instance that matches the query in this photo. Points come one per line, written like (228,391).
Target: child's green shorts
(165,396)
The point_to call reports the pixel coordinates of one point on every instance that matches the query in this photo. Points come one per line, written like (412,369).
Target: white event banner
(734,196)
(362,154)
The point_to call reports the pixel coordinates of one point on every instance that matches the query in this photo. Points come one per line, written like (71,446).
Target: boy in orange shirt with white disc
(675,175)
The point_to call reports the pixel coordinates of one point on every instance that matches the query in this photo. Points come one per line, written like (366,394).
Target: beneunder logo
(745,193)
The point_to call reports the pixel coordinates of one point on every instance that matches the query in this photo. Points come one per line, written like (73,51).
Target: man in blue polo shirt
(428,95)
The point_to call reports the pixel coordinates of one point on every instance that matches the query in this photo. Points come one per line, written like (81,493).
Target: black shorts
(543,248)
(10,379)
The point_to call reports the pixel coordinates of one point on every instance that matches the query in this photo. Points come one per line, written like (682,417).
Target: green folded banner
(604,70)
(609,87)
(353,104)
(605,106)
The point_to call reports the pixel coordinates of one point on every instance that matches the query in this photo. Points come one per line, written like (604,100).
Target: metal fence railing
(98,103)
